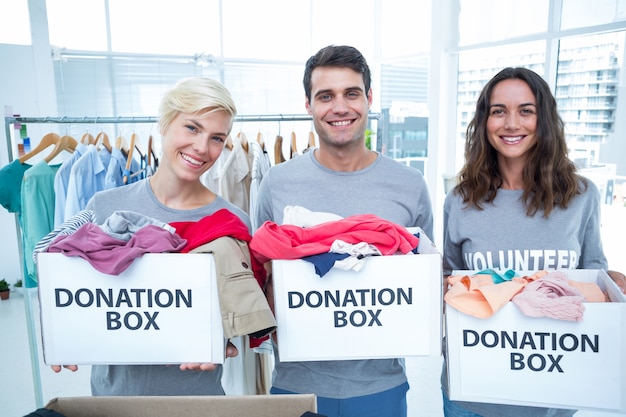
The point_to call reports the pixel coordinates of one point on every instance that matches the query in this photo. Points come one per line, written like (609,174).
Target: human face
(192,143)
(512,120)
(339,105)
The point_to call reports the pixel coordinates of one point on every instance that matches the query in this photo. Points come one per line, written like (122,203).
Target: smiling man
(345,178)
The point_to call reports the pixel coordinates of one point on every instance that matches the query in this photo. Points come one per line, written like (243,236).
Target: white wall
(16,90)
(27,85)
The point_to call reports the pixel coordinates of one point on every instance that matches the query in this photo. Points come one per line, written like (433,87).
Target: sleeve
(591,251)
(452,250)
(425,216)
(263,205)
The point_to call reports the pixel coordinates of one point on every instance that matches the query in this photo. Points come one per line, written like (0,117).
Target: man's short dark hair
(341,56)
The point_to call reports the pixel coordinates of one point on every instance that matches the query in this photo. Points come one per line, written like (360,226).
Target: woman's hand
(231,352)
(58,368)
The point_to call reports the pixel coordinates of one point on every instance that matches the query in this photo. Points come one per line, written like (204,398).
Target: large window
(119,56)
(14,22)
(257,49)
(580,53)
(482,21)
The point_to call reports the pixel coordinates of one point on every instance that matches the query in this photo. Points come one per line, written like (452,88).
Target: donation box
(163,309)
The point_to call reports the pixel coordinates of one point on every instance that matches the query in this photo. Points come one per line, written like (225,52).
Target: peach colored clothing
(478,296)
(590,290)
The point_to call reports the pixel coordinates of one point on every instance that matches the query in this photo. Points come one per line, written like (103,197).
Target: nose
(511,121)
(340,105)
(201,145)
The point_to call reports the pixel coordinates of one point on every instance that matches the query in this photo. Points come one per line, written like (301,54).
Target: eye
(218,139)
(528,111)
(191,128)
(324,97)
(353,94)
(496,112)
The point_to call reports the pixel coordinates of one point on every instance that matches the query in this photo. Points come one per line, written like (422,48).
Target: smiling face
(512,120)
(192,143)
(339,106)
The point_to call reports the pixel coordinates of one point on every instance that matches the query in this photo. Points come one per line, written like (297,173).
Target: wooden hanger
(65,143)
(311,139)
(103,138)
(129,158)
(88,139)
(47,140)
(244,141)
(260,141)
(278,150)
(152,158)
(229,143)
(293,150)
(120,143)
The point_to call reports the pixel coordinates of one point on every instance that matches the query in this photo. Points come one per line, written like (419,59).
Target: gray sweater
(114,380)
(386,188)
(502,236)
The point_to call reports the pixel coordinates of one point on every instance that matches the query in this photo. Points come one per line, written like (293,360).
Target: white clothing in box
(163,309)
(511,358)
(390,308)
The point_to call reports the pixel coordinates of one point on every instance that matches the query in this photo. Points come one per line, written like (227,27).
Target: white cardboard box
(391,308)
(163,309)
(511,358)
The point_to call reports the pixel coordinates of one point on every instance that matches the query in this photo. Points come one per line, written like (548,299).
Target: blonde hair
(199,95)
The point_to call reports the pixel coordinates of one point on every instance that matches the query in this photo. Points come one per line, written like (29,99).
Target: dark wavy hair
(550,177)
(337,56)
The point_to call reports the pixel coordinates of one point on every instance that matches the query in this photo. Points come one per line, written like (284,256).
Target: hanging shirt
(229,177)
(86,178)
(37,211)
(11,176)
(115,169)
(105,156)
(61,181)
(260,165)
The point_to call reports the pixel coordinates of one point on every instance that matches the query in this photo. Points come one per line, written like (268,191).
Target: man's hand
(231,352)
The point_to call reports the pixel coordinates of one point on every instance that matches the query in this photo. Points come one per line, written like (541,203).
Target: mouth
(512,140)
(340,123)
(192,161)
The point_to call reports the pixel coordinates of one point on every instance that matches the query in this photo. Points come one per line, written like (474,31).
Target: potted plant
(5,290)
(19,286)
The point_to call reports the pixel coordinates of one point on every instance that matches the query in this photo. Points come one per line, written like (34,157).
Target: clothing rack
(11,120)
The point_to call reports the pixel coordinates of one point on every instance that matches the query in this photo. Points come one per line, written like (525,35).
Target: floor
(17,390)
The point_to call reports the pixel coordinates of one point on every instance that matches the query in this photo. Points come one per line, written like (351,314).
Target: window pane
(87,32)
(145,26)
(495,20)
(14,22)
(404,101)
(347,22)
(476,67)
(581,13)
(587,87)
(268,30)
(405,28)
(266,89)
